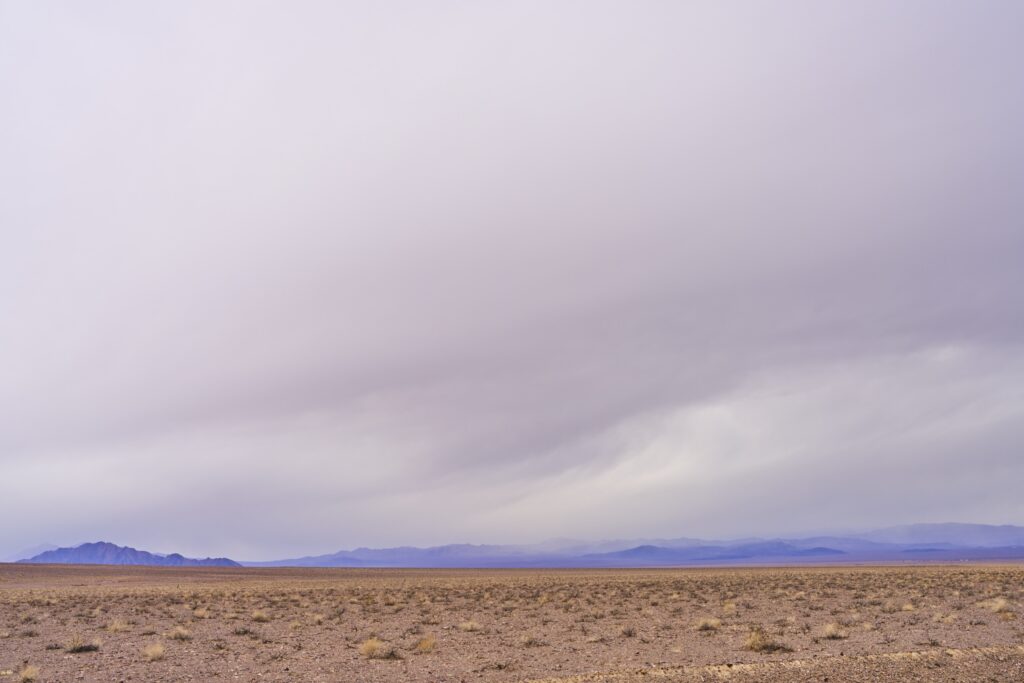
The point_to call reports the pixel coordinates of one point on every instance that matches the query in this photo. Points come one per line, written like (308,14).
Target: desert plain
(839,623)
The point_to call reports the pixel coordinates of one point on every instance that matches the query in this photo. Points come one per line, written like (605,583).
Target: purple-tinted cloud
(282,279)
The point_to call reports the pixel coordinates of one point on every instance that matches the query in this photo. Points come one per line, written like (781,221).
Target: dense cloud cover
(282,278)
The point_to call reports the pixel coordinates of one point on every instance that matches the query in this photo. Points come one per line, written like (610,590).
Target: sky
(278,279)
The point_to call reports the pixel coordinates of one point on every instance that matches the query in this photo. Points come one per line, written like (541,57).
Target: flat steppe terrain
(899,623)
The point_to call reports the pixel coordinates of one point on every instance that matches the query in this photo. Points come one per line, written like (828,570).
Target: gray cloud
(280,280)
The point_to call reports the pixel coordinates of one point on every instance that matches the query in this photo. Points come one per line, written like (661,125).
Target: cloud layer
(284,279)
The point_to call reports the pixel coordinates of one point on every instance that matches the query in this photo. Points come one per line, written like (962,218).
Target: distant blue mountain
(931,542)
(651,555)
(108,553)
(952,534)
(912,543)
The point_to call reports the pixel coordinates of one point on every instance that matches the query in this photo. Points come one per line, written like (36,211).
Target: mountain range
(910,543)
(917,542)
(108,553)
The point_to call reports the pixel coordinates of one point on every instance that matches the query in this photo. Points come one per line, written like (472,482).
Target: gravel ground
(900,623)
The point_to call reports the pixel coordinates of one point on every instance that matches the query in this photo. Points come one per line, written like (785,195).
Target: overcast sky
(284,278)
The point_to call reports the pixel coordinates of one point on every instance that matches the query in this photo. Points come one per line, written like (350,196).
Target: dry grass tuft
(628,632)
(758,640)
(154,652)
(425,644)
(834,631)
(260,616)
(200,613)
(78,644)
(995,605)
(179,633)
(117,626)
(28,674)
(470,626)
(709,624)
(375,648)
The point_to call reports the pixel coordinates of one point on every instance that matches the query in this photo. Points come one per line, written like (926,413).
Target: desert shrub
(117,625)
(758,640)
(709,624)
(154,652)
(78,644)
(374,648)
(996,605)
(28,674)
(179,633)
(425,644)
(834,631)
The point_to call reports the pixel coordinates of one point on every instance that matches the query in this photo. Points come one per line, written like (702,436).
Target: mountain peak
(104,552)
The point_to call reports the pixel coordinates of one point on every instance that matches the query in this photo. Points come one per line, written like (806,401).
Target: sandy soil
(924,623)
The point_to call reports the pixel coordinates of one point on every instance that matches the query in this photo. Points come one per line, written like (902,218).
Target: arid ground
(899,623)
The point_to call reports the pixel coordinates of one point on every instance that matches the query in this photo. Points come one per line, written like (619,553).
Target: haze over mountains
(26,553)
(916,542)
